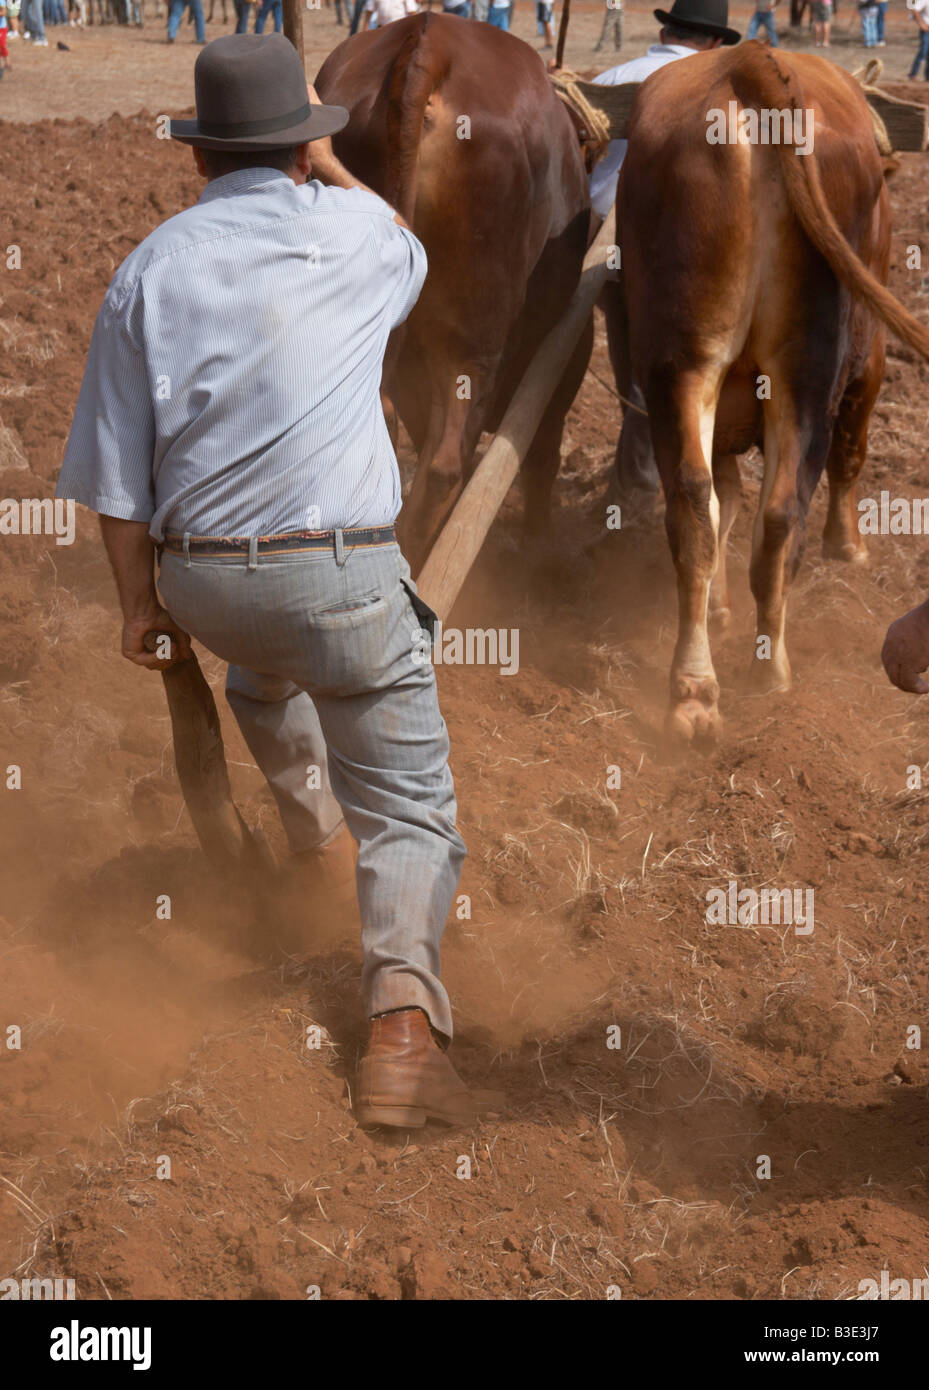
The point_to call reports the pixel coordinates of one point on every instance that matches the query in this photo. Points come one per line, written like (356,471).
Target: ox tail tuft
(808,202)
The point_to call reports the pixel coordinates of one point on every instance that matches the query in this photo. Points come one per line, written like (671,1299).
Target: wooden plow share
(226,839)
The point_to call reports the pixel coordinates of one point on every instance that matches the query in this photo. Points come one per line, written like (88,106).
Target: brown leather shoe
(406,1079)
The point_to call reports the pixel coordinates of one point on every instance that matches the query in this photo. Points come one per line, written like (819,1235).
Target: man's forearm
(334,173)
(325,165)
(131,552)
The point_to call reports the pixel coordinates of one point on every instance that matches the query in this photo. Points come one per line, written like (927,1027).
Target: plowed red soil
(635,1166)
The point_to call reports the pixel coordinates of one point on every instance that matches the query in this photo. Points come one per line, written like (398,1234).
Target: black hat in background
(710,17)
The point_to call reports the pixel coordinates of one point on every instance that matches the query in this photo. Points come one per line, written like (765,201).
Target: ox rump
(752,311)
(458,127)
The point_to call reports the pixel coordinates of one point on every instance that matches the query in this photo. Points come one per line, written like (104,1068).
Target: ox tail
(808,203)
(413,78)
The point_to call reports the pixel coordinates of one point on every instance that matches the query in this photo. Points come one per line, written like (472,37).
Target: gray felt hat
(251,95)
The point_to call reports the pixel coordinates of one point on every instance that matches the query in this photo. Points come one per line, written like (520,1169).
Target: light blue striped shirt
(232,384)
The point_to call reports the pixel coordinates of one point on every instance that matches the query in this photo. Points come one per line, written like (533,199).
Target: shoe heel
(401,1116)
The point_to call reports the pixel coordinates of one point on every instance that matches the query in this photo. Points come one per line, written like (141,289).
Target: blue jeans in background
(499,16)
(922,55)
(762,19)
(881,12)
(243,11)
(326,672)
(30,18)
(177,10)
(267,7)
(869,25)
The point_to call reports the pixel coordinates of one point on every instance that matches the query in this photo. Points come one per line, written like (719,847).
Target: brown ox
(456,125)
(743,261)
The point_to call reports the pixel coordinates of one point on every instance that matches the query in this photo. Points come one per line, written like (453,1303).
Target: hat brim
(716,31)
(322,121)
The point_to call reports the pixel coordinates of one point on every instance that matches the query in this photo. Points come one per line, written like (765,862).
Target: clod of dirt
(608,1217)
(597,815)
(427,1276)
(645,1276)
(799,1025)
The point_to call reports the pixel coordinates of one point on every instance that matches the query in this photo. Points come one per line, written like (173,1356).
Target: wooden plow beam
(461,538)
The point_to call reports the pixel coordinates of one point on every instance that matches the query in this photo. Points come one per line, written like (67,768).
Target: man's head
(254,108)
(292,160)
(698,24)
(688,38)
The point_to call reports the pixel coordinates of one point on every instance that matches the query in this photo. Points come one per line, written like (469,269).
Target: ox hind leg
(841,537)
(728,484)
(797,436)
(682,413)
(543,459)
(451,433)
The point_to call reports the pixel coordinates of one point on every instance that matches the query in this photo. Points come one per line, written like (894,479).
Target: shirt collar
(241,181)
(671,48)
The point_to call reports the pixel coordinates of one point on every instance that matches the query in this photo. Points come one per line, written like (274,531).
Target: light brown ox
(741,261)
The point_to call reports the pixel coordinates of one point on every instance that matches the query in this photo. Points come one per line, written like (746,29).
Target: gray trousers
(329,683)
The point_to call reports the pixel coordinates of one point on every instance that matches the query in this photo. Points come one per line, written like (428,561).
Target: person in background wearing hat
(230,417)
(691,26)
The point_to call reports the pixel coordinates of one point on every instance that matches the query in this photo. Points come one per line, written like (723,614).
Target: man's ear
(302,161)
(199,161)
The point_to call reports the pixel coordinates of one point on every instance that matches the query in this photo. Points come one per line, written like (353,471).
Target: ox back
(754,284)
(457,126)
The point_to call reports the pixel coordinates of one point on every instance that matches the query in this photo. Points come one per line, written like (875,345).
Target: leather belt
(289,541)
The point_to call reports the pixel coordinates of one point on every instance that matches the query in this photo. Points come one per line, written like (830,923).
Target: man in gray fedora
(230,420)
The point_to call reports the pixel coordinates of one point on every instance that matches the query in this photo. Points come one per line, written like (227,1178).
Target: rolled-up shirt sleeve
(403,263)
(108,460)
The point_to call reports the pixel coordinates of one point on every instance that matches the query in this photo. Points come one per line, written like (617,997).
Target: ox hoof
(769,678)
(848,551)
(694,713)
